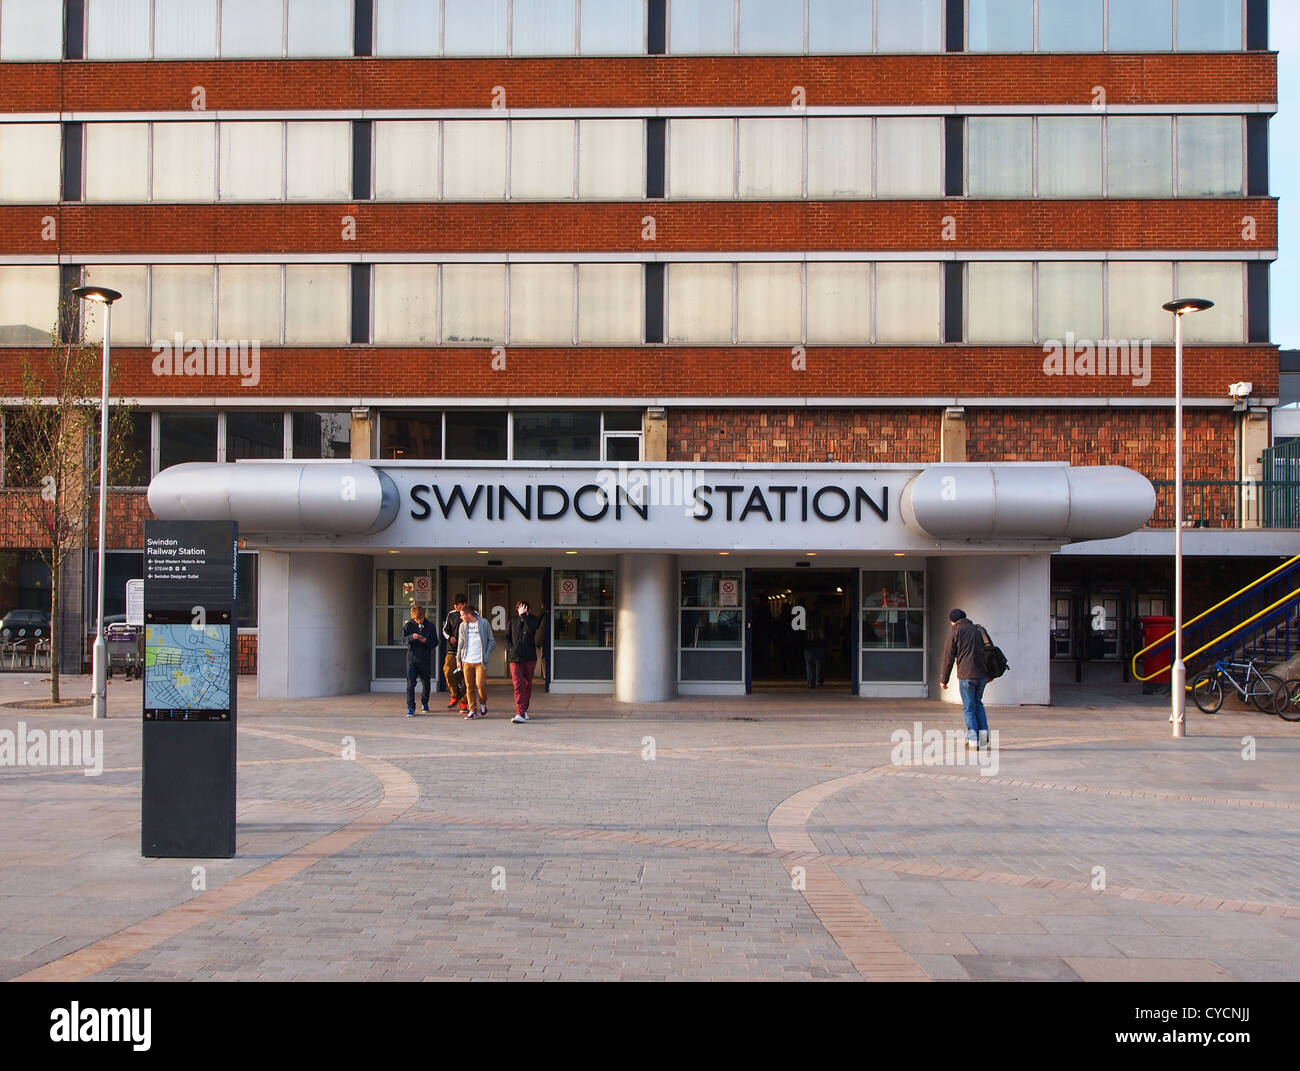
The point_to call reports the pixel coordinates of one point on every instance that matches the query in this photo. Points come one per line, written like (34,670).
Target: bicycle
(1266,691)
(1289,708)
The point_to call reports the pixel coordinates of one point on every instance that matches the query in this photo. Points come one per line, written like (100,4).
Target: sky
(1284,173)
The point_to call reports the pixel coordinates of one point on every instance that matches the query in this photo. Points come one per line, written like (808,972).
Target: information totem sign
(190,648)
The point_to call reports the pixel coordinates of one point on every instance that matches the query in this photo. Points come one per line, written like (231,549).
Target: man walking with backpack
(965,648)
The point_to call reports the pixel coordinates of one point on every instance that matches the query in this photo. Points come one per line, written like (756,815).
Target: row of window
(820,303)
(627,159)
(204,29)
(158,440)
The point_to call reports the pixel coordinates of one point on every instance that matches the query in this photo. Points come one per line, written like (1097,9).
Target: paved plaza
(766,837)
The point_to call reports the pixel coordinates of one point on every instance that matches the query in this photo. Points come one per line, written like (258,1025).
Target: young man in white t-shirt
(474,644)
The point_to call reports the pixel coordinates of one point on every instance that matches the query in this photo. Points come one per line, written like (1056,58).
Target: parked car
(25,623)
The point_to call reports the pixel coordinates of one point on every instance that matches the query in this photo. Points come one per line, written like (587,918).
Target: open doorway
(493,592)
(793,611)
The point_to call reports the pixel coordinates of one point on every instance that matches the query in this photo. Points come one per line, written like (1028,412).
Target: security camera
(1238,391)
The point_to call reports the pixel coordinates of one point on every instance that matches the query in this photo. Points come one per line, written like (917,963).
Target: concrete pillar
(655,435)
(1010,595)
(363,435)
(1254,441)
(645,650)
(952,435)
(314,619)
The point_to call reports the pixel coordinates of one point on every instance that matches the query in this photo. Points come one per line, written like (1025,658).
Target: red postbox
(1159,660)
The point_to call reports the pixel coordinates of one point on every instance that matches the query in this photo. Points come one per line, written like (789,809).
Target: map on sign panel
(187,668)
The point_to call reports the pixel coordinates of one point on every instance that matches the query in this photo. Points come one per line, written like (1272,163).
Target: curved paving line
(400,794)
(864,941)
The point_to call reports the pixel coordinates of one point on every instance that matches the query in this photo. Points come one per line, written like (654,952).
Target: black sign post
(190,646)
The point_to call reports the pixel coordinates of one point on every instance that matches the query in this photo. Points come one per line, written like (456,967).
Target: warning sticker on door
(728,593)
(568,591)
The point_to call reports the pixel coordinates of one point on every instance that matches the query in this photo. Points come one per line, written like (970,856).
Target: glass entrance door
(801,622)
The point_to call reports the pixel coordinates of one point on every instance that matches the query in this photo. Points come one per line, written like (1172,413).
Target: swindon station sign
(670,508)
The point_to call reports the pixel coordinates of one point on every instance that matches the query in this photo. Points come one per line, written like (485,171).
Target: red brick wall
(247,655)
(680,226)
(127,512)
(653,81)
(683,371)
(1140,439)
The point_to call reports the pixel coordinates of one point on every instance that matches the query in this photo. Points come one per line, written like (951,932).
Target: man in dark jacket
(420,641)
(450,628)
(965,648)
(521,654)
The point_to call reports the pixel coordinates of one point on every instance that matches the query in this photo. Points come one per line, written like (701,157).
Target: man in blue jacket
(474,645)
(420,641)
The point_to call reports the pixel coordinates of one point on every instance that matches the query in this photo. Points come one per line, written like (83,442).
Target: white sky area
(1284,172)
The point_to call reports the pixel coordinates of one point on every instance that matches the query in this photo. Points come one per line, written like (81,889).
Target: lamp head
(101,294)
(1191,304)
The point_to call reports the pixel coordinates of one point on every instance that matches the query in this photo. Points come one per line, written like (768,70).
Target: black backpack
(991,657)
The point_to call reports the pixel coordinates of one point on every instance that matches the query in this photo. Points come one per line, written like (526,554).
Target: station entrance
(793,611)
(493,592)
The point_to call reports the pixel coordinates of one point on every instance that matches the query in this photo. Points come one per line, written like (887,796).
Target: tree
(52,451)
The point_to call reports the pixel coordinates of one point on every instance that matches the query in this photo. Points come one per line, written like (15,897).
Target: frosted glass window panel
(181,300)
(406,160)
(908,302)
(474,27)
(771,26)
(541,158)
(248,302)
(320,28)
(1135,290)
(1222,283)
(473,303)
(611,158)
(609,303)
(251,28)
(839,157)
(117,29)
(1141,26)
(406,303)
(1139,152)
(909,25)
(129,311)
(406,27)
(543,28)
(839,26)
(184,161)
(908,159)
(30,155)
(117,161)
(1210,149)
(474,160)
(612,28)
(1069,25)
(185,29)
(29,304)
(541,303)
(1209,25)
(251,167)
(320,161)
(1069,157)
(1000,301)
(1069,300)
(839,303)
(1000,157)
(316,304)
(700,27)
(31,30)
(771,158)
(769,302)
(699,302)
(701,158)
(1001,26)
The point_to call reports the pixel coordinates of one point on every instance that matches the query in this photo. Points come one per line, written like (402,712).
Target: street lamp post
(99,658)
(1177,671)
